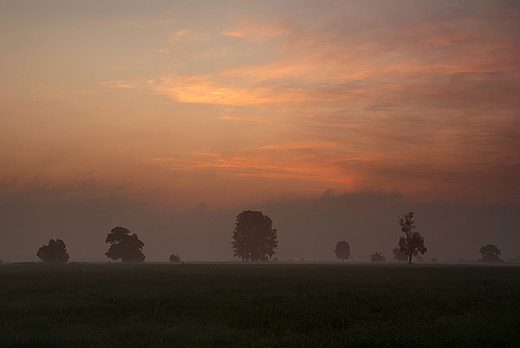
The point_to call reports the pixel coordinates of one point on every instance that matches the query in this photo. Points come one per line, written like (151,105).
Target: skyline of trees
(128,247)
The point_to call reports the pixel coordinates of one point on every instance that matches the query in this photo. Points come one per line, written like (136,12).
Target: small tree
(54,252)
(413,243)
(342,250)
(124,246)
(490,253)
(377,257)
(175,258)
(254,238)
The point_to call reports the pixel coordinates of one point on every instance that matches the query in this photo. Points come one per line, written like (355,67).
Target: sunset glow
(227,103)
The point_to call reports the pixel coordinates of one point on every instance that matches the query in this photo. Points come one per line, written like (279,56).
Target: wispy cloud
(255,31)
(188,35)
(420,97)
(119,84)
(291,161)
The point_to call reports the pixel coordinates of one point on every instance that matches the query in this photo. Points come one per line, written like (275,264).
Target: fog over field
(307,229)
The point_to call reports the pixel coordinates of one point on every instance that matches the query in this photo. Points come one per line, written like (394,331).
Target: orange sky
(190,102)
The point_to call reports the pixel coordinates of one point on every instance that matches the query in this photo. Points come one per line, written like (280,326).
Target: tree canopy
(342,250)
(174,258)
(254,238)
(124,246)
(399,256)
(54,252)
(413,243)
(490,253)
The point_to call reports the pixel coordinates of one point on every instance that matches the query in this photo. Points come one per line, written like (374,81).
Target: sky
(332,117)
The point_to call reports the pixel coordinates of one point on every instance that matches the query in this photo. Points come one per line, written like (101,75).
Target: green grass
(266,305)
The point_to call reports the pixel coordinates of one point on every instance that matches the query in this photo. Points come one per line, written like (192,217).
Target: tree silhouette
(54,252)
(490,253)
(254,238)
(174,258)
(413,243)
(377,257)
(342,250)
(124,246)
(399,256)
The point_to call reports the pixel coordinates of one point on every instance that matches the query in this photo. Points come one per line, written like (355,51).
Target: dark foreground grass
(269,305)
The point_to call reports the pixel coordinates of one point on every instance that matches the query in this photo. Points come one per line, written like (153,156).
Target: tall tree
(413,243)
(124,246)
(254,238)
(54,252)
(342,250)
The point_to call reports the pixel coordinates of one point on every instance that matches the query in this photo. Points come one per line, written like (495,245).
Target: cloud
(201,89)
(419,98)
(254,31)
(119,84)
(285,161)
(165,50)
(188,35)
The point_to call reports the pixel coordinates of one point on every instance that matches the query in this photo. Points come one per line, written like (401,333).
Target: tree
(413,243)
(175,258)
(124,246)
(399,256)
(342,250)
(54,252)
(254,238)
(377,257)
(490,253)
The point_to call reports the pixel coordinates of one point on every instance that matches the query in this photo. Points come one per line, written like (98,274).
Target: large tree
(124,246)
(490,253)
(342,250)
(54,252)
(254,238)
(412,243)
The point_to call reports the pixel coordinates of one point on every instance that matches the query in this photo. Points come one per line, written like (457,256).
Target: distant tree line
(255,239)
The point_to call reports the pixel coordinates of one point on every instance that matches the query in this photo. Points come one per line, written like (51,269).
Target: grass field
(265,305)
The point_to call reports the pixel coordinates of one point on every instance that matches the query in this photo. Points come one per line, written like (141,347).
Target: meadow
(259,305)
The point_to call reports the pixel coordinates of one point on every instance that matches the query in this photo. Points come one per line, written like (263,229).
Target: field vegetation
(259,305)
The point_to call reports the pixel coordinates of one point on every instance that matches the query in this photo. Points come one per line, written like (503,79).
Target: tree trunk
(410,258)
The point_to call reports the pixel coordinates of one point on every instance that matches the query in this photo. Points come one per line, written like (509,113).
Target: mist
(307,228)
